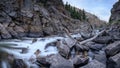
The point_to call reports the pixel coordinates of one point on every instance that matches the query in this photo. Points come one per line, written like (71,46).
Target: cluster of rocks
(70,55)
(101,52)
(37,18)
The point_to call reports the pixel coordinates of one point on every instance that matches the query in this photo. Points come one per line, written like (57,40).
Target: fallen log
(90,39)
(84,41)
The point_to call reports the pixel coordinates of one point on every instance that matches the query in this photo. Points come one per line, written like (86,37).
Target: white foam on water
(32,47)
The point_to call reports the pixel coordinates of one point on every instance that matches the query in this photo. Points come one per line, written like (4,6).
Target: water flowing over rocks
(58,40)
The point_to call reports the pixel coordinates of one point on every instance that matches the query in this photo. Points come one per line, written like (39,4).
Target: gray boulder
(95,46)
(79,60)
(113,48)
(70,42)
(63,49)
(103,39)
(114,62)
(94,64)
(57,61)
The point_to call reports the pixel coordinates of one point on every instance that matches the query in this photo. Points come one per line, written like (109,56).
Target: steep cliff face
(36,18)
(115,12)
(114,28)
(115,16)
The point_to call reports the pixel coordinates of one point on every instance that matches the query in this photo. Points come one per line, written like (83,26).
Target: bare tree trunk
(90,39)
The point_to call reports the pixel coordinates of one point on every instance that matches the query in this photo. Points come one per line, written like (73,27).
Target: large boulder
(114,61)
(94,46)
(103,39)
(94,64)
(70,42)
(79,61)
(63,49)
(57,61)
(113,48)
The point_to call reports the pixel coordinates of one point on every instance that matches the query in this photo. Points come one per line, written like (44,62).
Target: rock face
(36,18)
(115,12)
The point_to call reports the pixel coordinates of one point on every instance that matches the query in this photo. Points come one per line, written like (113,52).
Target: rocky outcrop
(115,16)
(112,50)
(36,18)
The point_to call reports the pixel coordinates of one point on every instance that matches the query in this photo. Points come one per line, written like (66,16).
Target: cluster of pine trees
(75,13)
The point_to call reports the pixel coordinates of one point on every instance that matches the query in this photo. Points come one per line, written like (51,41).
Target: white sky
(100,8)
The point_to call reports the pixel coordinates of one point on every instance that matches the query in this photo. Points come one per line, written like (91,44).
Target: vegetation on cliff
(76,14)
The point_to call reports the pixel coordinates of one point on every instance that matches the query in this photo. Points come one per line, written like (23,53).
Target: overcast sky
(100,8)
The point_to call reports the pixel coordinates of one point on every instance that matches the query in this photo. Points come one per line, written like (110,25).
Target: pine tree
(74,13)
(83,15)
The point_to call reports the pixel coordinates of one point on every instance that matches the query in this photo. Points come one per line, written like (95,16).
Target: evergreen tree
(75,13)
(83,15)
